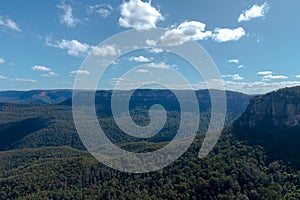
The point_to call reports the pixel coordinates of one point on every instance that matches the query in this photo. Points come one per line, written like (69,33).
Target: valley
(43,157)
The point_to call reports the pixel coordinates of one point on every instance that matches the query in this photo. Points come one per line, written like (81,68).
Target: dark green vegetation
(37,125)
(34,126)
(232,171)
(273,121)
(241,166)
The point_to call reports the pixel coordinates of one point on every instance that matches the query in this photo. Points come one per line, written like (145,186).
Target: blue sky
(255,44)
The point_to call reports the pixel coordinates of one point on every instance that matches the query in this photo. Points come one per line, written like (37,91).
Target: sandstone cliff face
(280,108)
(273,122)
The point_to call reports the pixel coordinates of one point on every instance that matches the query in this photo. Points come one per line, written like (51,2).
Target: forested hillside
(36,125)
(273,121)
(232,171)
(43,158)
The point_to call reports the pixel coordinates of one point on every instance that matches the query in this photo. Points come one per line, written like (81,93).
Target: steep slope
(233,170)
(36,125)
(273,121)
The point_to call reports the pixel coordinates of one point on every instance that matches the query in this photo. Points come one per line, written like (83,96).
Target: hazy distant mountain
(273,121)
(236,101)
(36,125)
(233,170)
(35,96)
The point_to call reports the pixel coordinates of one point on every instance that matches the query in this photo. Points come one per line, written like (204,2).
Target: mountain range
(30,124)
(255,157)
(35,96)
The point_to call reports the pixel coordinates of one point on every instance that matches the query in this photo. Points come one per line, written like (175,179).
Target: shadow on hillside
(13,132)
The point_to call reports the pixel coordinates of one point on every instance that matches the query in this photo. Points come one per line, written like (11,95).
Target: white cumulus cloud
(270,77)
(9,23)
(156,50)
(80,72)
(67,16)
(254,12)
(108,50)
(139,59)
(258,87)
(139,15)
(298,76)
(264,73)
(160,65)
(73,47)
(194,30)
(2,61)
(3,77)
(151,42)
(142,71)
(190,30)
(235,61)
(40,68)
(235,77)
(173,37)
(24,80)
(103,10)
(50,74)
(226,34)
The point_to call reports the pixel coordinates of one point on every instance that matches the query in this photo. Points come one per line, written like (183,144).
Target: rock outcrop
(273,121)
(280,109)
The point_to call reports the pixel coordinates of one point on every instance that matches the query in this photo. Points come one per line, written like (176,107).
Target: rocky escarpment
(273,121)
(280,109)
